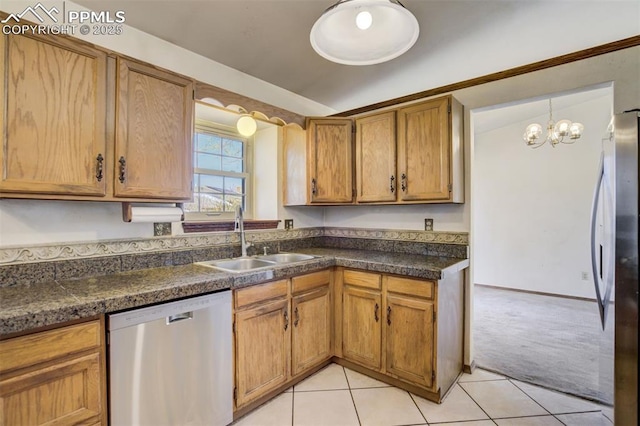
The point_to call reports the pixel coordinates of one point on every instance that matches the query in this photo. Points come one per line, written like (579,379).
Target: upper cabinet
(330,160)
(82,125)
(54,97)
(425,150)
(376,178)
(153,136)
(406,155)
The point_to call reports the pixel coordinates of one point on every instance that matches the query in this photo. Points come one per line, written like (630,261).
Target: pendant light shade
(364,32)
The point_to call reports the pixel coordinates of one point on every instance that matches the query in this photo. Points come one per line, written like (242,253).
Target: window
(222,178)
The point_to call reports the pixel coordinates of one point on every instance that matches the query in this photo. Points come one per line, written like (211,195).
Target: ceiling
(459,39)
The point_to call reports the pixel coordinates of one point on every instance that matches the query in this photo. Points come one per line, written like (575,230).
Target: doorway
(535,316)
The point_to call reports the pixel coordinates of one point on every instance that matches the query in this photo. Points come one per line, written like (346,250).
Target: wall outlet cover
(288,224)
(428,224)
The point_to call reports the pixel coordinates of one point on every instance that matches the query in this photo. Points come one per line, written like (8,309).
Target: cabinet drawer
(363,279)
(258,293)
(48,345)
(310,281)
(413,287)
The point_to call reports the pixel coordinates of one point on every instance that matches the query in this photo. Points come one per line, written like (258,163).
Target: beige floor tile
(359,381)
(555,402)
(607,411)
(530,421)
(456,407)
(386,406)
(584,419)
(330,378)
(480,375)
(501,398)
(472,423)
(290,389)
(277,412)
(324,408)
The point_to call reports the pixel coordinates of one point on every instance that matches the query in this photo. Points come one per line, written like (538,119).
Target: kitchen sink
(244,264)
(240,264)
(286,257)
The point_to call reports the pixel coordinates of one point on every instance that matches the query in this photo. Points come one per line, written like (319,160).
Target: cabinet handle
(297,315)
(123,169)
(392,181)
(375,313)
(99,174)
(286,319)
(314,189)
(388,315)
(403,182)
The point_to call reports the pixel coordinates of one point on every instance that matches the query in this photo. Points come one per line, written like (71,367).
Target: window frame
(204,126)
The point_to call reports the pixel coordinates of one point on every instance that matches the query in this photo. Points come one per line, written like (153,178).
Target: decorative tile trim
(82,250)
(461,238)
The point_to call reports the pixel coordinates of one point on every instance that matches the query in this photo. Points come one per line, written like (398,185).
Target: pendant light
(364,32)
(564,131)
(246,125)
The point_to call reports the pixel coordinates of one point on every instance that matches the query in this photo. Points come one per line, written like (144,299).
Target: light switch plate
(288,224)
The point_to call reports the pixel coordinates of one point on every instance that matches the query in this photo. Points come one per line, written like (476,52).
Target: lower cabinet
(404,330)
(54,377)
(282,331)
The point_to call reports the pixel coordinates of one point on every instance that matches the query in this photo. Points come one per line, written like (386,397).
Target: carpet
(554,342)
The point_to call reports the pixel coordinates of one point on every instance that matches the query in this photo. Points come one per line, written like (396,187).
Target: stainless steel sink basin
(245,264)
(241,264)
(286,257)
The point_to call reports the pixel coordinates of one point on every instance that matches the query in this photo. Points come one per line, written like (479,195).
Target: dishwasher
(171,364)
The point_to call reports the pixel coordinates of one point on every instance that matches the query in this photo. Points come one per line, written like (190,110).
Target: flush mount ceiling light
(246,125)
(364,32)
(556,132)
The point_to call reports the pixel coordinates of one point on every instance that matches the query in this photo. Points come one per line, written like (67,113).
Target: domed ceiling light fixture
(246,125)
(364,32)
(556,132)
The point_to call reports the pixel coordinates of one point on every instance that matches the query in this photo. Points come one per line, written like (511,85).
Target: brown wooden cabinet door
(67,392)
(376,158)
(410,339)
(263,349)
(424,151)
(311,332)
(330,160)
(361,326)
(53,123)
(153,157)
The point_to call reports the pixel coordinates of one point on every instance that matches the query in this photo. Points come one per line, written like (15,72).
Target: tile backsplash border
(85,250)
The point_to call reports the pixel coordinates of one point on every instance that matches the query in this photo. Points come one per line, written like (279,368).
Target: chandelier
(564,131)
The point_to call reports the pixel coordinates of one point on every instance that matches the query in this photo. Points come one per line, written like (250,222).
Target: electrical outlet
(428,224)
(585,276)
(288,224)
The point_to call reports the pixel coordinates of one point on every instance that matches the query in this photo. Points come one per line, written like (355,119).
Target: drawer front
(362,279)
(310,281)
(258,293)
(410,286)
(40,347)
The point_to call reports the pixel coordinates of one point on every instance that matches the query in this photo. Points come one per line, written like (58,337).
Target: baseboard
(469,369)
(539,293)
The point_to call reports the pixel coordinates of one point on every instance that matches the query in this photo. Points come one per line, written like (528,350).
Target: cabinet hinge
(434,316)
(233,327)
(433,376)
(449,109)
(235,393)
(450,186)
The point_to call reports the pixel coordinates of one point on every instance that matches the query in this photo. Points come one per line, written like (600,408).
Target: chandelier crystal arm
(556,132)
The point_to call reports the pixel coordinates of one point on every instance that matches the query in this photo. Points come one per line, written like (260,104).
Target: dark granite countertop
(28,307)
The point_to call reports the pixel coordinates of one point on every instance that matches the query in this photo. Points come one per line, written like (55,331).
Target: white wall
(532,206)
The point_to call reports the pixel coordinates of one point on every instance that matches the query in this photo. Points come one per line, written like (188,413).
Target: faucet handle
(264,249)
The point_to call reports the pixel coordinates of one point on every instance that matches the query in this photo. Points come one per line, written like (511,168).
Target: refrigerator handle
(597,280)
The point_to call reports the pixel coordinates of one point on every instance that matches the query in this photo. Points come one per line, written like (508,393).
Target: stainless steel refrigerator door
(626,273)
(172,364)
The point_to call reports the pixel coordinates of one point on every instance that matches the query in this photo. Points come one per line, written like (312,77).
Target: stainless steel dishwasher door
(171,364)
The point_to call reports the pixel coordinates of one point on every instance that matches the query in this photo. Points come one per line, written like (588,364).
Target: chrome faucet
(240,228)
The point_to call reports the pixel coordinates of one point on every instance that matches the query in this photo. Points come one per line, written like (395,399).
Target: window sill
(249,225)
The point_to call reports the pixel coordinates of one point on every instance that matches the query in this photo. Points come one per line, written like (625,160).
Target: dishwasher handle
(179,317)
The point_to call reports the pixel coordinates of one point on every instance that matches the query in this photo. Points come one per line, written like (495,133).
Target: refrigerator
(614,258)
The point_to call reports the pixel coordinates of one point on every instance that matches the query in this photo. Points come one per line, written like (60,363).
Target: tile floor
(337,396)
